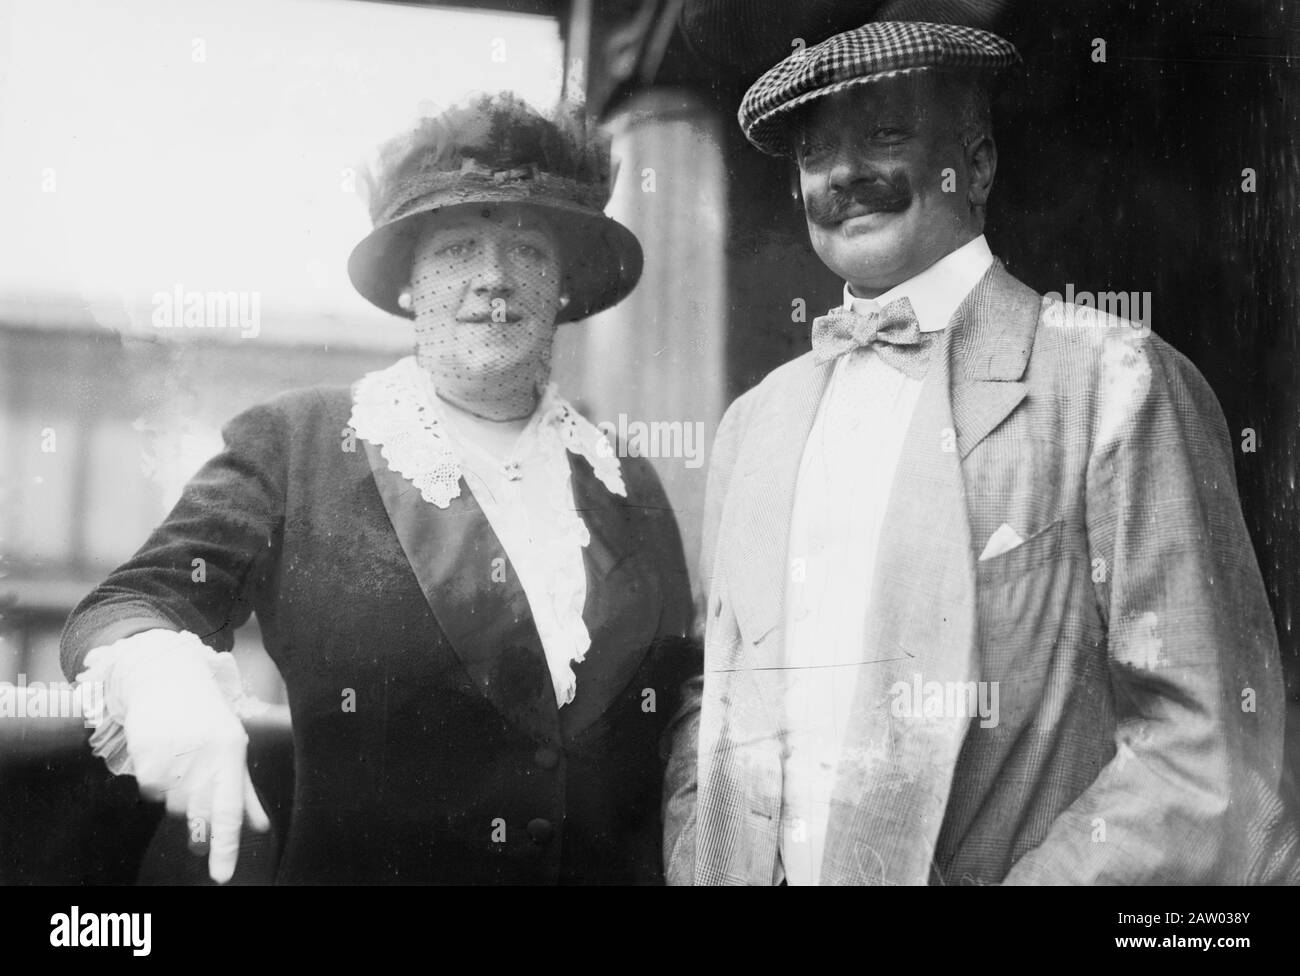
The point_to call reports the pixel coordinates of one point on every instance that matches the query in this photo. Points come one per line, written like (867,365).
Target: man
(981,606)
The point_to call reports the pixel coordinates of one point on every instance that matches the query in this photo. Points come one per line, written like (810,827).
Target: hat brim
(770,132)
(600,259)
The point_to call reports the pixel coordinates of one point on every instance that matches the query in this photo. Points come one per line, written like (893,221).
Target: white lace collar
(394,409)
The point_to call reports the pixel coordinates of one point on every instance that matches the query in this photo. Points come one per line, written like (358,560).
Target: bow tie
(893,330)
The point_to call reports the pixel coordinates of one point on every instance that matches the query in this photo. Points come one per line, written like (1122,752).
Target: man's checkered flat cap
(871,52)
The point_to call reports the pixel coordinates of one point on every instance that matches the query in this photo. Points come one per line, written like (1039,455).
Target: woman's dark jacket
(427,741)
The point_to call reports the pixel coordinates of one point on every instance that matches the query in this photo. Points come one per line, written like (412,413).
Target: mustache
(888,194)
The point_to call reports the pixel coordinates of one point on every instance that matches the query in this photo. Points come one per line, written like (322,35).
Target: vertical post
(577,52)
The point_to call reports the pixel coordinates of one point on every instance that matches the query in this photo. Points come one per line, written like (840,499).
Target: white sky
(225,174)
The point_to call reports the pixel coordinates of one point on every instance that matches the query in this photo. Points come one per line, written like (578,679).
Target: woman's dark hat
(881,49)
(496,150)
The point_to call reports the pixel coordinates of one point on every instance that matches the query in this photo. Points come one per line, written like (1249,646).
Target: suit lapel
(763,491)
(896,771)
(475,596)
(993,336)
(606,519)
(893,779)
(623,598)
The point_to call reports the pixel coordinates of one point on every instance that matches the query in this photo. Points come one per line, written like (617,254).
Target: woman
(477,607)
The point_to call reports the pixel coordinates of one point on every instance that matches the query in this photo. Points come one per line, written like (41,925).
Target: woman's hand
(188,749)
(184,741)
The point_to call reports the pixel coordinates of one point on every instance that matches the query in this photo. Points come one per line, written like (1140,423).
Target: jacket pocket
(1039,549)
(1036,614)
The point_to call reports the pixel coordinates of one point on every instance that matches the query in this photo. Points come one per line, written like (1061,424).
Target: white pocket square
(1003,540)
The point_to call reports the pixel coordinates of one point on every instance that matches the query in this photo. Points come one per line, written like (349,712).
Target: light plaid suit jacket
(1141,700)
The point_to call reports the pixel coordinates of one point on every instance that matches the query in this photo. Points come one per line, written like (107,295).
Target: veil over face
(485,289)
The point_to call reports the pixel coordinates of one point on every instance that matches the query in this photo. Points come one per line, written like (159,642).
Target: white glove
(172,720)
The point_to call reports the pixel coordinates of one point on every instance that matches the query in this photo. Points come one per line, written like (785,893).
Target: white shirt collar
(936,292)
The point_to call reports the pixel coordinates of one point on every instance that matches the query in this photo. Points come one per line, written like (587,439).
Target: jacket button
(546,757)
(540,830)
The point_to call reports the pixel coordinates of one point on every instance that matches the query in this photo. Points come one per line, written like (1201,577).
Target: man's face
(871,166)
(485,287)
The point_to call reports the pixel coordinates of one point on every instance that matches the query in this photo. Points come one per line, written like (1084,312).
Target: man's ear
(982,164)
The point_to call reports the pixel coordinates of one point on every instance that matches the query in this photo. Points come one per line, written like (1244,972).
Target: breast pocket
(1035,611)
(1041,548)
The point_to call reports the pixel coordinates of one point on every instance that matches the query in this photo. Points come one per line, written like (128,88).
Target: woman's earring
(564,301)
(404,299)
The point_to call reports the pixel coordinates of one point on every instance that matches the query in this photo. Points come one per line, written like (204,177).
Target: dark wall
(1128,175)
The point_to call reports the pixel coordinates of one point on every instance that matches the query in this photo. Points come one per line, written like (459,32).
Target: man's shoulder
(1092,359)
(790,375)
(1055,339)
(1082,345)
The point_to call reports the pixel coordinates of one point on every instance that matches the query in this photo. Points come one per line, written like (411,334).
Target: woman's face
(485,288)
